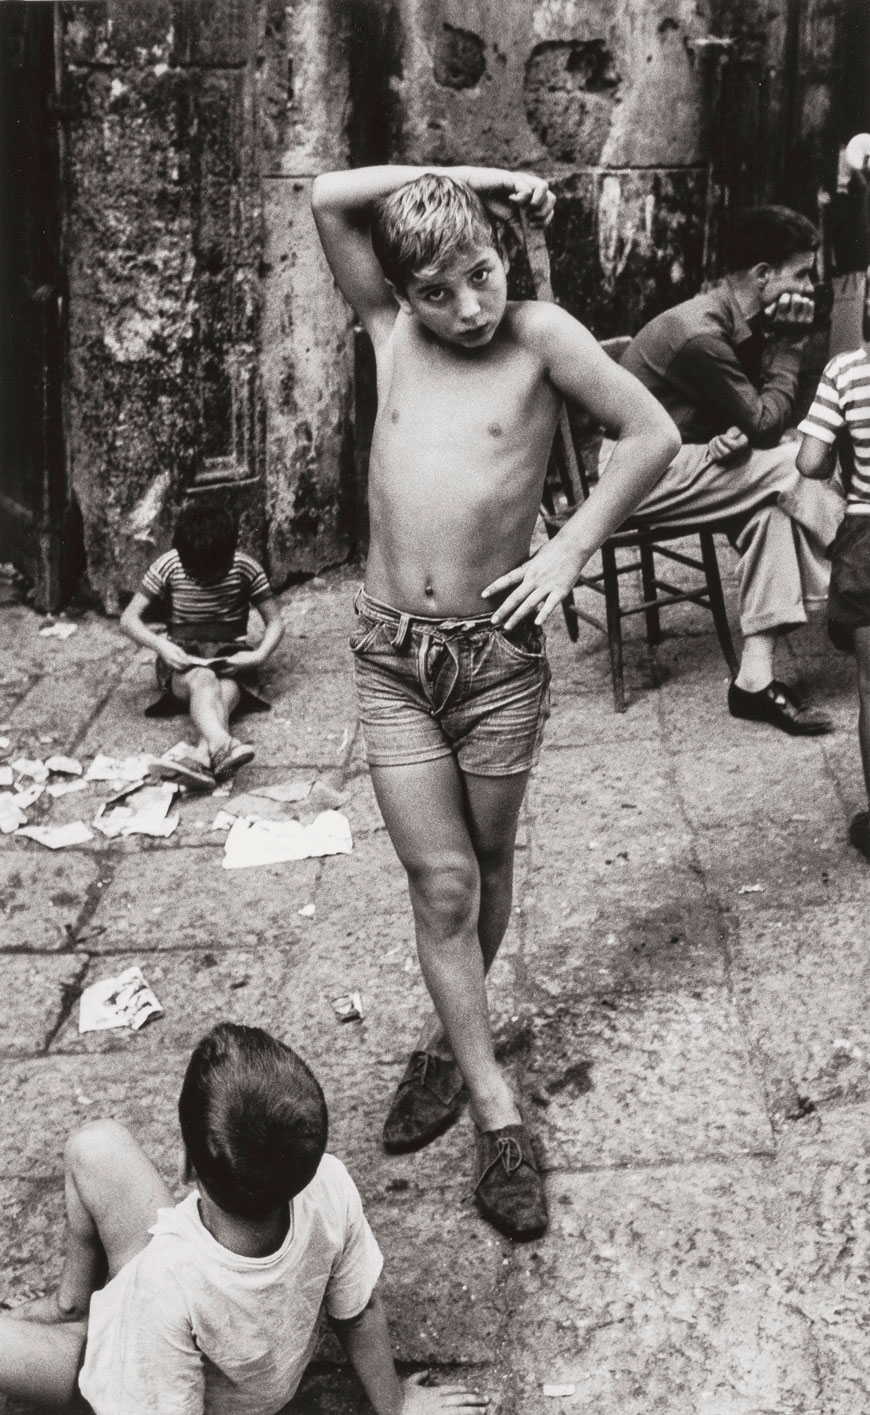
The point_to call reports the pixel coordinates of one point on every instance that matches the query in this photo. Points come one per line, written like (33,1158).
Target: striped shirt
(224,600)
(842,402)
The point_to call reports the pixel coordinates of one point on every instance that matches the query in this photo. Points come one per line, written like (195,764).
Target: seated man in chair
(725,366)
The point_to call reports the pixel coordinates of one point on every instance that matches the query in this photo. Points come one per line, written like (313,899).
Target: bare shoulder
(545,328)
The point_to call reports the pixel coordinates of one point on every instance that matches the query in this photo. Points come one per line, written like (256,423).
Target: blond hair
(425,222)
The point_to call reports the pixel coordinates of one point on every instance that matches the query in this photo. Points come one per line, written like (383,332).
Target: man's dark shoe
(509,1191)
(427,1101)
(779,705)
(859,832)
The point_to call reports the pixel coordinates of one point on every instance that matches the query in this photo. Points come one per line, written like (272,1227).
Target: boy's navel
(495,429)
(394,415)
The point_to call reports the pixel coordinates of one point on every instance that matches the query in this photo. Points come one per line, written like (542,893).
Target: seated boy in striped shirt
(839,421)
(209,586)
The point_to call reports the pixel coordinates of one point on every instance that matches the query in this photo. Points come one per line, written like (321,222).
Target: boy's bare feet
(427,1101)
(509,1189)
(422,1399)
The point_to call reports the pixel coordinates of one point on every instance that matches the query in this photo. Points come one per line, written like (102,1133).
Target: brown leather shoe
(509,1191)
(427,1101)
(781,707)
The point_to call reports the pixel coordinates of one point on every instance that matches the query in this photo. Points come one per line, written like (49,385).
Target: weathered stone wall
(207,342)
(207,346)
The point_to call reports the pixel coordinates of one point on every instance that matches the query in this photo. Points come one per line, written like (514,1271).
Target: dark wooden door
(33,500)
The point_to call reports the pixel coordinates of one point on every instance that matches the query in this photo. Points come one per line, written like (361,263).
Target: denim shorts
(429,688)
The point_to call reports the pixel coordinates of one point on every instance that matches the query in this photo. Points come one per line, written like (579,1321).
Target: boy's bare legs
(112,1193)
(492,815)
(434,816)
(210,701)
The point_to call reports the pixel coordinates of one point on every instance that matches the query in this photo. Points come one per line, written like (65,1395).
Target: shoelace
(419,1072)
(507,1153)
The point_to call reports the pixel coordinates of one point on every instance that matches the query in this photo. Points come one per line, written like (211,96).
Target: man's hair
(206,535)
(772,234)
(425,222)
(253,1120)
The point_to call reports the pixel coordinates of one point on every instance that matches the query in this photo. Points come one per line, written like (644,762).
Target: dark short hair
(425,222)
(772,234)
(206,535)
(253,1120)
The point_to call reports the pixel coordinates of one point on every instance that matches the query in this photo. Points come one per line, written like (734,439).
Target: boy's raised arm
(646,442)
(342,203)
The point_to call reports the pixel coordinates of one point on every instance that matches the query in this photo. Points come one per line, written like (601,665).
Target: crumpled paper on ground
(256,842)
(104,768)
(57,837)
(144,814)
(11,814)
(125,1001)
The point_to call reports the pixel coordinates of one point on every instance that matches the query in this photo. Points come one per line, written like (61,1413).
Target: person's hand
(791,312)
(248,658)
(521,190)
(537,586)
(175,657)
(422,1399)
(728,446)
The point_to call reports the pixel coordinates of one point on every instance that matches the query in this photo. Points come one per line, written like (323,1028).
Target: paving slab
(41,986)
(639,1080)
(657,1294)
(184,898)
(32,1218)
(42,895)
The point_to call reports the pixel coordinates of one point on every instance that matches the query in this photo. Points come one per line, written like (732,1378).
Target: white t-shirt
(189,1328)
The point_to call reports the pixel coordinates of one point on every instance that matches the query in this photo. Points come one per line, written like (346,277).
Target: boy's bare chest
(491,403)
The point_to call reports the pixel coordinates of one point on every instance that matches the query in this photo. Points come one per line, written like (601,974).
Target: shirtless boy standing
(451,674)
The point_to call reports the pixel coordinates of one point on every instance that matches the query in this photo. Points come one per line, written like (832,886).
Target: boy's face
(463,301)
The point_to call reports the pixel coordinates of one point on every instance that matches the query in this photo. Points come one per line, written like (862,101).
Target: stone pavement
(693,1057)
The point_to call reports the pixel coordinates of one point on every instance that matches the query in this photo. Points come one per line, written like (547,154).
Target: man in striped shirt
(839,423)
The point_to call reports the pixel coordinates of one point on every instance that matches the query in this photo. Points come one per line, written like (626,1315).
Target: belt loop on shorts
(403,633)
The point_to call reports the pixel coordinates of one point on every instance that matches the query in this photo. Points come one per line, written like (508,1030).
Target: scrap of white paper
(5,776)
(349,1008)
(57,631)
(751,889)
(64,766)
(63,788)
(223,821)
(284,791)
(4,743)
(35,770)
(11,814)
(253,842)
(144,814)
(125,1001)
(306,912)
(57,837)
(25,799)
(562,1390)
(104,768)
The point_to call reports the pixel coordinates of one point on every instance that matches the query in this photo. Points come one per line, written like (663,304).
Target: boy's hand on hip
(175,657)
(420,1399)
(537,587)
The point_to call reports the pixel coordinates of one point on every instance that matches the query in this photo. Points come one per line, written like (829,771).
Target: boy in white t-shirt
(216,1311)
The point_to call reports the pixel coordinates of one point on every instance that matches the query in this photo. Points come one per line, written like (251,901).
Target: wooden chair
(567,486)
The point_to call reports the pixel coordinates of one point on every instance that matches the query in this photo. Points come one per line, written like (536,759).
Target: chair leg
(717,601)
(614,624)
(571,621)
(648,580)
